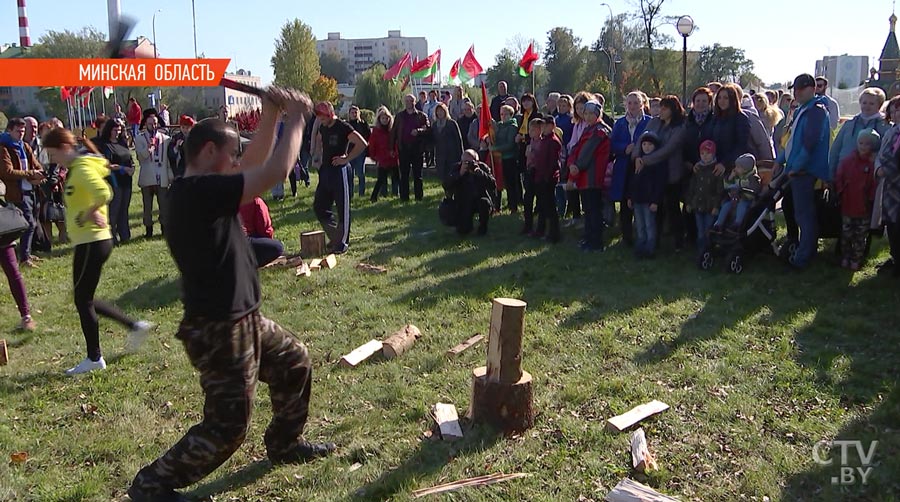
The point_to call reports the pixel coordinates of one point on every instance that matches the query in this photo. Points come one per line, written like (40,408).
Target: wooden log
(626,420)
(315,265)
(448,421)
(641,459)
(372,269)
(401,341)
(361,353)
(632,491)
(476,481)
(4,354)
(303,270)
(508,407)
(312,244)
(455,351)
(504,362)
(330,261)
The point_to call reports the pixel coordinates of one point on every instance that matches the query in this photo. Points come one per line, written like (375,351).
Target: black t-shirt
(335,140)
(218,268)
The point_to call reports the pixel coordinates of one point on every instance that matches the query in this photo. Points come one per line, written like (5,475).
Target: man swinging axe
(224,334)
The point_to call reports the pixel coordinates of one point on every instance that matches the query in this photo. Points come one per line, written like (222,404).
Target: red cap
(708,146)
(186,120)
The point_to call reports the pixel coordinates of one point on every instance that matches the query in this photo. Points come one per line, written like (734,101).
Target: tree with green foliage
(334,66)
(565,59)
(83,44)
(373,91)
(296,61)
(718,63)
(651,19)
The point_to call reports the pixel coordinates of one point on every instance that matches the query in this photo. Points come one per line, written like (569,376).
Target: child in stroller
(745,223)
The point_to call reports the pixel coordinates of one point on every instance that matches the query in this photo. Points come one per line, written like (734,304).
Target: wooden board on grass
(361,353)
(626,420)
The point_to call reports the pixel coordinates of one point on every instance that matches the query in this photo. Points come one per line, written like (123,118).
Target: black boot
(304,452)
(138,495)
(149,231)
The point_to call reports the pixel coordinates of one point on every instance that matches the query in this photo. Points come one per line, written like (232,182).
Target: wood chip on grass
(490,479)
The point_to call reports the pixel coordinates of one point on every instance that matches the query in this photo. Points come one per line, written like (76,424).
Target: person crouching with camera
(472,185)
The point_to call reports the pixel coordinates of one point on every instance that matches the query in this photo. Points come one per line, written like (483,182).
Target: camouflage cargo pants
(231,357)
(854,233)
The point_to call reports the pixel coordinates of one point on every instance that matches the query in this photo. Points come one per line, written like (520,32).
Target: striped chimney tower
(24,37)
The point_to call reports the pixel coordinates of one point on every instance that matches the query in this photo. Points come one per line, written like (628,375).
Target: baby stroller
(754,235)
(828,219)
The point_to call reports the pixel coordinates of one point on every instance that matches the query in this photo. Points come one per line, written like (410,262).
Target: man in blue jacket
(805,159)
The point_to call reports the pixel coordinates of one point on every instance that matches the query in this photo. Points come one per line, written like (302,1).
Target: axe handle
(237,86)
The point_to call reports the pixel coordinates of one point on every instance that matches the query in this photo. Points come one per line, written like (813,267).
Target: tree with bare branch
(651,18)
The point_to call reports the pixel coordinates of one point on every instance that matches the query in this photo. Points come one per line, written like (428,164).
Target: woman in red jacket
(383,152)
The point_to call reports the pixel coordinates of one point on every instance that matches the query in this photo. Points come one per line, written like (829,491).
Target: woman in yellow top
(86,197)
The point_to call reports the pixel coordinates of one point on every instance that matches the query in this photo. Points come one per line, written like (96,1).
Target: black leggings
(86,269)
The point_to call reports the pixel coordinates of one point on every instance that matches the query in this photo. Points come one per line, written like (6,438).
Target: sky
(781,47)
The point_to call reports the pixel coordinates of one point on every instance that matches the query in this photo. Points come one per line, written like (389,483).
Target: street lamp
(685,27)
(194,16)
(155,53)
(612,66)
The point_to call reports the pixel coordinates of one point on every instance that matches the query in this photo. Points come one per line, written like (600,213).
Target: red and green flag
(400,68)
(470,67)
(453,78)
(427,67)
(486,130)
(526,64)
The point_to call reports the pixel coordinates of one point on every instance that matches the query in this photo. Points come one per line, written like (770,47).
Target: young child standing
(532,155)
(742,185)
(645,194)
(855,183)
(705,193)
(384,152)
(546,176)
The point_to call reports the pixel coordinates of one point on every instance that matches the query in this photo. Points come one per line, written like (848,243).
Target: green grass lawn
(756,368)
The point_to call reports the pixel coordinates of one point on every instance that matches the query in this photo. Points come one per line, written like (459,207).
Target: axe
(116,43)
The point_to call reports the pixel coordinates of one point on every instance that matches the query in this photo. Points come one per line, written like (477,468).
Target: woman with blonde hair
(384,152)
(768,113)
(87,195)
(871,100)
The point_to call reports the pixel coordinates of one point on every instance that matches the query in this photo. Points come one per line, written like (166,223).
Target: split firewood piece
(632,491)
(627,420)
(459,349)
(641,458)
(361,353)
(316,264)
(372,269)
(303,270)
(477,481)
(4,354)
(401,341)
(330,261)
(448,421)
(277,262)
(293,261)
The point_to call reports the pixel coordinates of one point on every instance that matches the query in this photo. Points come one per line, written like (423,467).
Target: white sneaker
(138,335)
(87,366)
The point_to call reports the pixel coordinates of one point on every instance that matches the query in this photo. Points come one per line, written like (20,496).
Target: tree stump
(506,406)
(504,362)
(400,341)
(312,244)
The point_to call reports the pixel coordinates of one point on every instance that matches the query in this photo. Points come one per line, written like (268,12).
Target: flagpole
(533,78)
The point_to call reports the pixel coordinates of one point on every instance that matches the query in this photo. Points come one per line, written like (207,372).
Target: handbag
(12,223)
(56,212)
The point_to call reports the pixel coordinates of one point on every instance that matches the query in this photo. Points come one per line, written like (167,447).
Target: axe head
(117,40)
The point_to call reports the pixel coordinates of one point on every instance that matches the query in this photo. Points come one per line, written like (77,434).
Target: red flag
(84,90)
(454,72)
(470,68)
(64,94)
(526,64)
(394,71)
(486,128)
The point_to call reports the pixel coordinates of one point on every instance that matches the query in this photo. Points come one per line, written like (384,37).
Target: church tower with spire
(889,63)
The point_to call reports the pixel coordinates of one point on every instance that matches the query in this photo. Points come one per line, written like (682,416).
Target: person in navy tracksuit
(339,142)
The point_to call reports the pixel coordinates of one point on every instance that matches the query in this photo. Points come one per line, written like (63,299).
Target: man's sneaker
(27,324)
(87,366)
(304,452)
(137,336)
(339,248)
(138,495)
